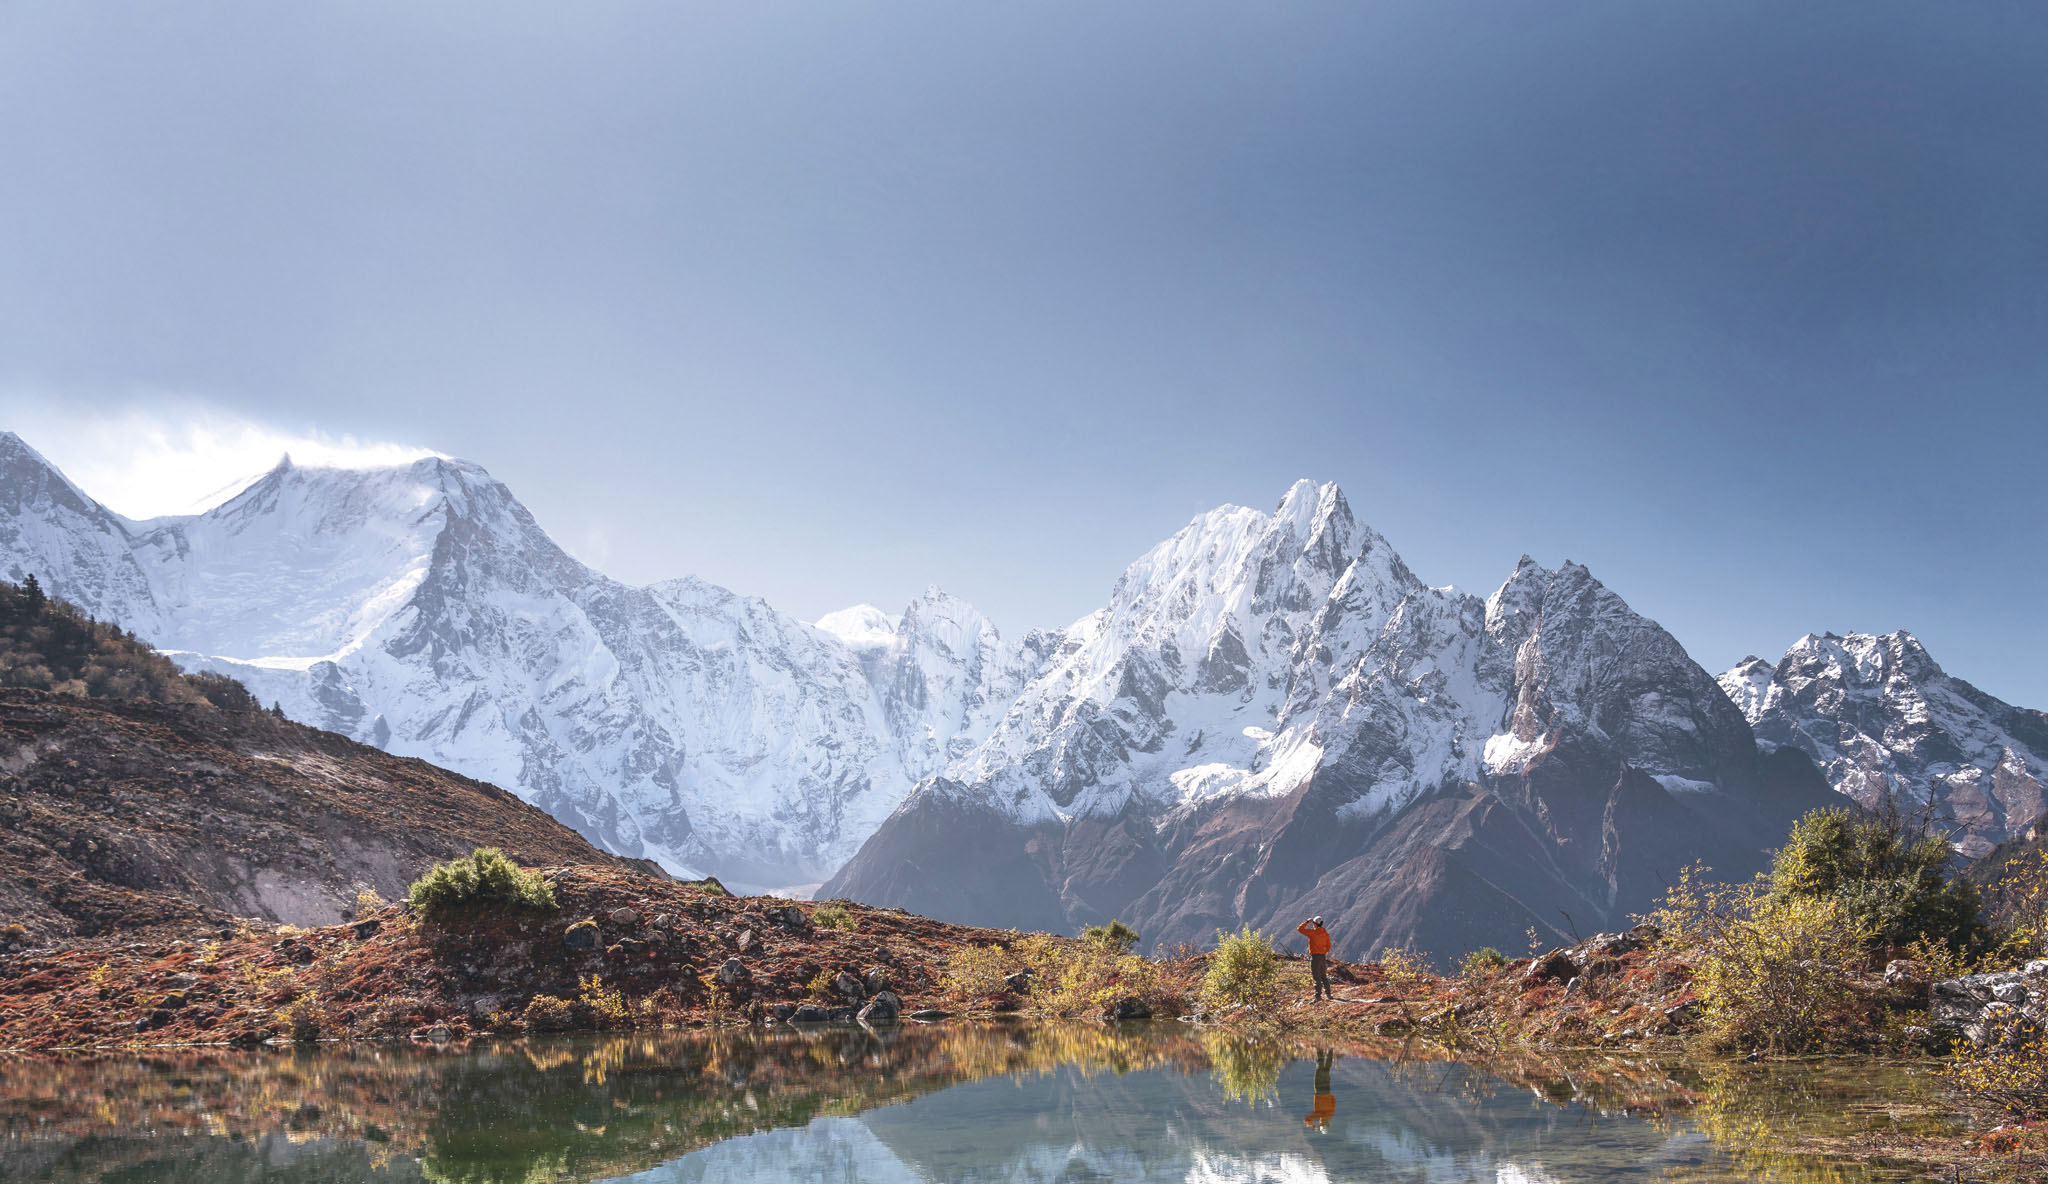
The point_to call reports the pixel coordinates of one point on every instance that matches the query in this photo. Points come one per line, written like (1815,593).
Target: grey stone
(809,1013)
(580,936)
(367,928)
(848,986)
(877,980)
(734,972)
(1130,1007)
(926,1015)
(884,1008)
(2010,993)
(626,918)
(745,940)
(791,918)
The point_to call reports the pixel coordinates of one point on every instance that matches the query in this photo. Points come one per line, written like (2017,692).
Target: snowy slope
(421,608)
(1882,719)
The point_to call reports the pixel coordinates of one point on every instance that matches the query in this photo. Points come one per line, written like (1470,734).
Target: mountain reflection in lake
(952,1102)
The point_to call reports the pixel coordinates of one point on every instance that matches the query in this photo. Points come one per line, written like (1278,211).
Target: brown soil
(134,816)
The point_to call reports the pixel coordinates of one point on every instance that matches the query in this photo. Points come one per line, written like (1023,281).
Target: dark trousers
(1319,966)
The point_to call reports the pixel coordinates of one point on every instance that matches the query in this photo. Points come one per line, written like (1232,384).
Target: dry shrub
(976,972)
(1776,973)
(303,1018)
(2010,1071)
(607,1006)
(546,1013)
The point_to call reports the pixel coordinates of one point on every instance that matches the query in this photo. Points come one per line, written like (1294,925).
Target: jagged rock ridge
(1883,720)
(1274,717)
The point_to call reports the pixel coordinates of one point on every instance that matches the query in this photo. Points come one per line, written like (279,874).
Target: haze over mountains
(1271,714)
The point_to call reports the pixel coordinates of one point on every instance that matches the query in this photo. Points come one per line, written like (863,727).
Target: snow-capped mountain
(422,609)
(1273,716)
(1882,720)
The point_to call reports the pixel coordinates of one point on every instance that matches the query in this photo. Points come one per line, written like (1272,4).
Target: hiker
(1319,1115)
(1318,954)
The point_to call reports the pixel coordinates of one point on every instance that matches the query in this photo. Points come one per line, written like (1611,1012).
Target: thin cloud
(178,455)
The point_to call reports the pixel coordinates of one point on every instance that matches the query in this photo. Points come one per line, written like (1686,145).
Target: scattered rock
(2014,993)
(628,947)
(304,955)
(1686,1014)
(877,980)
(367,928)
(172,1001)
(745,941)
(839,1014)
(848,986)
(625,918)
(1019,982)
(884,1008)
(926,1015)
(734,973)
(661,921)
(809,1013)
(581,936)
(1645,935)
(782,1011)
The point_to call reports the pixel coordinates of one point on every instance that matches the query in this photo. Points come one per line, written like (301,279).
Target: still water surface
(953,1102)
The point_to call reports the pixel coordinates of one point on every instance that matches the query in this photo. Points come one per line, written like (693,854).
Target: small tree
(32,596)
(1116,935)
(1890,875)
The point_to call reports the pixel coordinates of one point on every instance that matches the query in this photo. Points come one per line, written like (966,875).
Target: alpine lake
(954,1101)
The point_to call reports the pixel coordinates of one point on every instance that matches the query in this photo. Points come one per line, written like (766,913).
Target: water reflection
(953,1102)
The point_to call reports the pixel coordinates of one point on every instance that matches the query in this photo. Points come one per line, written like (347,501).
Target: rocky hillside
(423,610)
(125,814)
(1274,717)
(1883,720)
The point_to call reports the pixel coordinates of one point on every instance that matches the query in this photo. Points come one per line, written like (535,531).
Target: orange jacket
(1325,1109)
(1318,937)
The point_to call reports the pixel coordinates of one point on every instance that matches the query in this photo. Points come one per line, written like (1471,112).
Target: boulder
(848,987)
(792,918)
(809,1013)
(1604,945)
(1130,1007)
(1645,935)
(661,921)
(876,979)
(1555,965)
(745,941)
(581,936)
(926,1015)
(1019,982)
(839,1014)
(628,947)
(734,973)
(1686,1014)
(367,928)
(625,918)
(884,1008)
(782,1011)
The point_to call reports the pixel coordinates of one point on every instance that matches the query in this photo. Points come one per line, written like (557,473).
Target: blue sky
(1742,305)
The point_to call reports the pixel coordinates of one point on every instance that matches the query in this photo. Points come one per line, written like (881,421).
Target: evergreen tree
(32,594)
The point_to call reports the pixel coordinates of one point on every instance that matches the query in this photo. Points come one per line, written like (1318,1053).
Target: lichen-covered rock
(581,936)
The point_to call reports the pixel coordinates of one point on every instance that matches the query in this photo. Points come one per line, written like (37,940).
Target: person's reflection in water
(1318,1118)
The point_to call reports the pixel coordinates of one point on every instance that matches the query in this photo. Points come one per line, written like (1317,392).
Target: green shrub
(1243,972)
(1892,882)
(547,1013)
(485,878)
(1483,962)
(832,916)
(1116,936)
